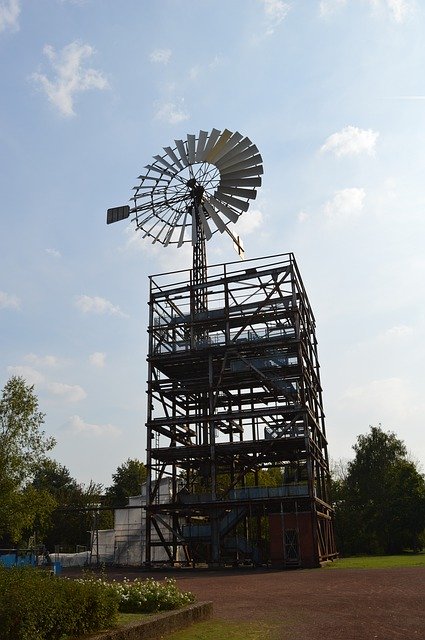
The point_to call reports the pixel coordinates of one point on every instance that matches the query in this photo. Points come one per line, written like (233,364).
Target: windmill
(233,376)
(194,190)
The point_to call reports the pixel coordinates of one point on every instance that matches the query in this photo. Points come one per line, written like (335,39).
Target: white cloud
(398,10)
(77,425)
(96,304)
(351,141)
(42,361)
(328,7)
(161,258)
(160,55)
(345,205)
(396,333)
(303,216)
(171,112)
(97,359)
(249,222)
(31,376)
(54,253)
(71,77)
(8,301)
(202,70)
(275,12)
(69,392)
(9,14)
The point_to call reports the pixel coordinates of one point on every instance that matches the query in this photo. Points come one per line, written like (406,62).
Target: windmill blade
(210,157)
(238,152)
(221,226)
(201,145)
(145,221)
(156,238)
(181,237)
(217,172)
(170,153)
(243,155)
(182,151)
(257,170)
(152,167)
(148,232)
(251,194)
(205,225)
(172,222)
(241,182)
(244,164)
(168,236)
(229,213)
(155,178)
(234,202)
(241,146)
(191,148)
(213,137)
(230,144)
(166,164)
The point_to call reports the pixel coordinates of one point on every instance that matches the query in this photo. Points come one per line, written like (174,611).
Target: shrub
(145,596)
(35,605)
(149,595)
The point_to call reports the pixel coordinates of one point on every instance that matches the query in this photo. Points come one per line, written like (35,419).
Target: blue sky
(333,94)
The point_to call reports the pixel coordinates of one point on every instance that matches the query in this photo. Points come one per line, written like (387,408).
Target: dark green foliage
(55,478)
(127,481)
(72,520)
(37,606)
(380,500)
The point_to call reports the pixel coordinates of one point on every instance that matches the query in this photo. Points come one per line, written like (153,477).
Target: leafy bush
(35,605)
(145,596)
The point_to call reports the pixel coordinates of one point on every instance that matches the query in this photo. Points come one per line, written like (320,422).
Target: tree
(127,481)
(23,446)
(55,478)
(380,501)
(73,517)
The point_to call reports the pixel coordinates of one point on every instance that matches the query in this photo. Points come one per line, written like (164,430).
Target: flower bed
(144,596)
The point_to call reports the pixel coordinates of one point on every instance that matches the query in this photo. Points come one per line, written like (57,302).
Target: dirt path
(320,604)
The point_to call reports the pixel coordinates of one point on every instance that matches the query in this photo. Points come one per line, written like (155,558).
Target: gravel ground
(318,604)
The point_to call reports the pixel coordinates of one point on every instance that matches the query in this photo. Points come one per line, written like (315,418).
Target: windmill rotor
(195,189)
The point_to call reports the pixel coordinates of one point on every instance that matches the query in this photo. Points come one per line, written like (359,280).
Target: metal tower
(235,418)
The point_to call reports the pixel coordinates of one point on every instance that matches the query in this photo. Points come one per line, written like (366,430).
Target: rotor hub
(196,191)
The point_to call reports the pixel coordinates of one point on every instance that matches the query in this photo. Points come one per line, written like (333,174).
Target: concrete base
(160,625)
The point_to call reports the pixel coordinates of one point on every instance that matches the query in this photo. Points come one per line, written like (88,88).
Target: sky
(332,92)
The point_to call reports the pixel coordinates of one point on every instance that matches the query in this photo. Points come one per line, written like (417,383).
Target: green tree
(127,481)
(55,478)
(73,517)
(23,446)
(380,499)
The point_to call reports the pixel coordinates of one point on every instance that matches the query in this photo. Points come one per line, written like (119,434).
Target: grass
(223,630)
(128,618)
(379,562)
